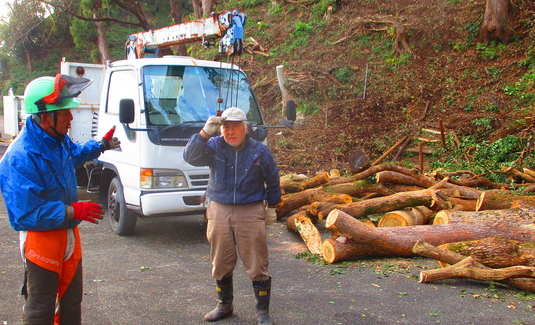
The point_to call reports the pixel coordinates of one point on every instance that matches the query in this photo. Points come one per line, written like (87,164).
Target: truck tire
(122,220)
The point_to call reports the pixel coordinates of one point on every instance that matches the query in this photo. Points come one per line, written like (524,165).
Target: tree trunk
(358,161)
(462,204)
(402,188)
(298,186)
(197,8)
(102,35)
(389,203)
(424,249)
(359,240)
(495,200)
(176,13)
(495,252)
(206,7)
(495,25)
(297,200)
(401,45)
(29,58)
(102,42)
(359,189)
(391,177)
(496,217)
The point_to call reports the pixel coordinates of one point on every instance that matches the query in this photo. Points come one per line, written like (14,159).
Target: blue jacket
(37,178)
(236,177)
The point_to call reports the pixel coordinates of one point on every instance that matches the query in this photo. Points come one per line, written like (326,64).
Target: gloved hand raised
(87,211)
(271,216)
(109,142)
(212,125)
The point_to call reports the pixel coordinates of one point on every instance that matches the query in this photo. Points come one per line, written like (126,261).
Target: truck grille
(199,180)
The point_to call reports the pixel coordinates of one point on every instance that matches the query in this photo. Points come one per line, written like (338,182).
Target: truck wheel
(122,220)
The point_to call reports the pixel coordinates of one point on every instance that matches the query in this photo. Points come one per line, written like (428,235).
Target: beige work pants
(237,230)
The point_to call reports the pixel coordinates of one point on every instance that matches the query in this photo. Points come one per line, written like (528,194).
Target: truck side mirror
(126,111)
(291,108)
(290,114)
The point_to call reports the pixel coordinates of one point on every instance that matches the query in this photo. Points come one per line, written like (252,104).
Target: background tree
(495,26)
(25,34)
(202,8)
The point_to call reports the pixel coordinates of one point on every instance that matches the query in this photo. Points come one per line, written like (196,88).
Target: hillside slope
(356,93)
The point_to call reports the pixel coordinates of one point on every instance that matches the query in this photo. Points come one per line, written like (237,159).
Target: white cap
(233,114)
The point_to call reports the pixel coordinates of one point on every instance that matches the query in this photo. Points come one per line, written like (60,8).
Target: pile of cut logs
(475,228)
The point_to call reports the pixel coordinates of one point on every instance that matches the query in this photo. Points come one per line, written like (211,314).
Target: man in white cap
(243,179)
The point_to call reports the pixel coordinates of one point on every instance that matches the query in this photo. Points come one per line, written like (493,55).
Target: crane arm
(228,25)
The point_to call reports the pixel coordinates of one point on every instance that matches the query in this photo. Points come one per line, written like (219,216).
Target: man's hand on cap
(212,125)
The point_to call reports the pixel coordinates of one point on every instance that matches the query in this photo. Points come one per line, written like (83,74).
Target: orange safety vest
(47,250)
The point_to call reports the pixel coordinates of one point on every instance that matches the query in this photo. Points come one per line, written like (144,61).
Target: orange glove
(87,211)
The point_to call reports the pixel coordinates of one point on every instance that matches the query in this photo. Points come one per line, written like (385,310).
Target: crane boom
(228,25)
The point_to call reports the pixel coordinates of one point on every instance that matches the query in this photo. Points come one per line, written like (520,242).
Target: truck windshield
(188,95)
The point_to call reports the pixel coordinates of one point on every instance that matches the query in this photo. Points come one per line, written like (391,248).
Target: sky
(4,11)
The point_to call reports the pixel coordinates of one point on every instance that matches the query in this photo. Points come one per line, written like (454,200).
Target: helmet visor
(64,87)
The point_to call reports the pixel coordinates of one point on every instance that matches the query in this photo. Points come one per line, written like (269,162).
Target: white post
(282,80)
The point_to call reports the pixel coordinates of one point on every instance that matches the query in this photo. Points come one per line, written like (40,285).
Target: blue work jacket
(37,178)
(236,176)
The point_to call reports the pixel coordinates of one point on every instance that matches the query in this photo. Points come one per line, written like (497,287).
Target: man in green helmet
(38,183)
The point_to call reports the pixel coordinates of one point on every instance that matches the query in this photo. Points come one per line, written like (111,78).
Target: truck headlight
(162,179)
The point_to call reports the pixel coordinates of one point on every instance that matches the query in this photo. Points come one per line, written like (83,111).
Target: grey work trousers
(237,230)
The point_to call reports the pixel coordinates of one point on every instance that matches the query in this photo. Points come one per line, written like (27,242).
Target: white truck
(156,104)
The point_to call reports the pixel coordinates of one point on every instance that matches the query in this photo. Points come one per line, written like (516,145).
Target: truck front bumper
(168,203)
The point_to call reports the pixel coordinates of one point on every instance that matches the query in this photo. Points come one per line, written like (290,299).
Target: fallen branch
(469,268)
(427,250)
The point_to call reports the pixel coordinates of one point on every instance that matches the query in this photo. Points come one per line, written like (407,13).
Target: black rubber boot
(262,292)
(224,307)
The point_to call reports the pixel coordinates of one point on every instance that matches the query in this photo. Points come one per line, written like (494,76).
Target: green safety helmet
(46,94)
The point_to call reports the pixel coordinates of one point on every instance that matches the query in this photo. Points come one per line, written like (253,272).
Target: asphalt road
(161,276)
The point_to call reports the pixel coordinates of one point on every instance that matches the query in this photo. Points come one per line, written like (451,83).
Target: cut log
(310,234)
(414,216)
(403,188)
(375,169)
(399,241)
(529,172)
(334,173)
(495,200)
(358,189)
(424,249)
(515,216)
(392,202)
(398,178)
(522,205)
(302,213)
(297,200)
(293,186)
(462,204)
(316,207)
(518,175)
(495,252)
(358,161)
